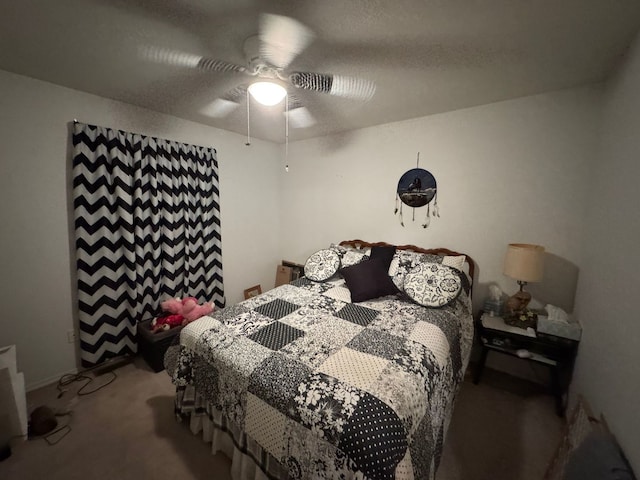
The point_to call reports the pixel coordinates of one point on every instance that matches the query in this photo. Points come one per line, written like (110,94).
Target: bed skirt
(248,460)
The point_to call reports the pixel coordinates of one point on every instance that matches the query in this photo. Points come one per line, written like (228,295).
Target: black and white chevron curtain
(147,226)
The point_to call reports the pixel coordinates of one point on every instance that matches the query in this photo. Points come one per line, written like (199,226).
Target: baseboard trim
(49,380)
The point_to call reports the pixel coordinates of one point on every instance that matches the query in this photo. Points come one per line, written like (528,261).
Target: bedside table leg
(557,391)
(483,358)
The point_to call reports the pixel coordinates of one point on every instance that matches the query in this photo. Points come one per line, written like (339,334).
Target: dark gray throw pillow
(368,279)
(598,457)
(384,254)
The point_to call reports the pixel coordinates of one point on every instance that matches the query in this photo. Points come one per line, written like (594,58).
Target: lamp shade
(524,262)
(267,93)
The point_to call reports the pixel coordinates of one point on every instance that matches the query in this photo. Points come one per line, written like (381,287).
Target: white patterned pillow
(455,261)
(322,265)
(353,257)
(433,284)
(350,255)
(404,261)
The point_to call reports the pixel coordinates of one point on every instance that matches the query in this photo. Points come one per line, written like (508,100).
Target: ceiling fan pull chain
(286,132)
(248,122)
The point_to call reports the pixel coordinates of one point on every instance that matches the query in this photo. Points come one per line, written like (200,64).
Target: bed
(303,382)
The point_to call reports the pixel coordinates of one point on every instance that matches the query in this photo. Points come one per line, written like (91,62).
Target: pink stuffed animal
(192,311)
(173,305)
(187,307)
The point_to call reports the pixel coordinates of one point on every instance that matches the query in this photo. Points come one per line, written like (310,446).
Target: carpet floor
(502,429)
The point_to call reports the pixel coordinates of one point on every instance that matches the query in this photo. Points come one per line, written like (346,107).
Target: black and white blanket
(328,388)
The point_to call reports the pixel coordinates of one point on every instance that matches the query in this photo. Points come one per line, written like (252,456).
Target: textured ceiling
(424,56)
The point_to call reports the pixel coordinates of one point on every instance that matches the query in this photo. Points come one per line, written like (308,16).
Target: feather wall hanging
(416,188)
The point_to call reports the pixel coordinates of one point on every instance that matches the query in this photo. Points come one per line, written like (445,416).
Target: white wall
(36,244)
(607,369)
(514,171)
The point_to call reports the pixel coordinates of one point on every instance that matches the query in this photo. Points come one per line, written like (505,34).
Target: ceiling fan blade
(219,108)
(182,59)
(282,39)
(300,117)
(168,56)
(223,106)
(338,85)
(214,65)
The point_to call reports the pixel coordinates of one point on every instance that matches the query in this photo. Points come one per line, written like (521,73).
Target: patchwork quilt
(324,387)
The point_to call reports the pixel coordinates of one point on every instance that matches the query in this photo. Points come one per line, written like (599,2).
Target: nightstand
(556,352)
(153,346)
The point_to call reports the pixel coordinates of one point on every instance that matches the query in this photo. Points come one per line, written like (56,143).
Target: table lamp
(524,263)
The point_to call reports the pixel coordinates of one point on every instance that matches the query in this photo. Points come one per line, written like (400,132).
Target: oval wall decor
(416,188)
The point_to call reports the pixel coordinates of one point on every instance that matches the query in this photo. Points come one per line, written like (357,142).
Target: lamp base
(522,319)
(518,301)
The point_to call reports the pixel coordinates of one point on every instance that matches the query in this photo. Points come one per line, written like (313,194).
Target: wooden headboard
(471,265)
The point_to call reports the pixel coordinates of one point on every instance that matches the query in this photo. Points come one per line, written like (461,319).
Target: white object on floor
(13,401)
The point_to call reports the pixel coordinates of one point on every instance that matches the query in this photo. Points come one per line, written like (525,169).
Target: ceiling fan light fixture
(267,93)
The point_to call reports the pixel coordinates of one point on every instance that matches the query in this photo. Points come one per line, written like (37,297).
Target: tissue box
(570,330)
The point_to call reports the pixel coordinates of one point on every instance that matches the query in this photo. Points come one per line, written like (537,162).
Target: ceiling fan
(269,54)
